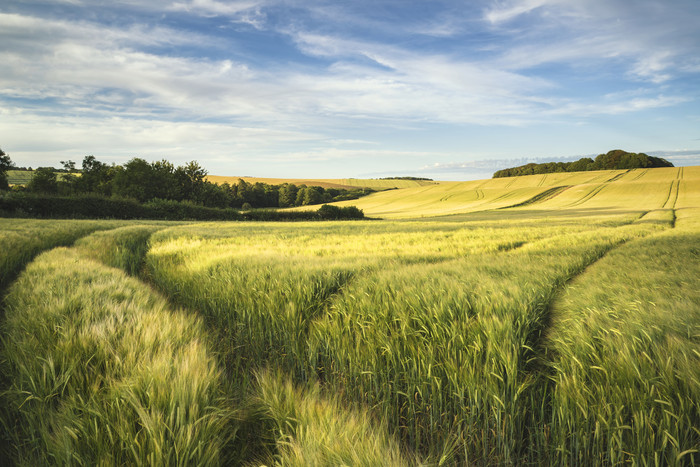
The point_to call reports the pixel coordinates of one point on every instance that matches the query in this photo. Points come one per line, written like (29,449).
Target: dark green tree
(96,177)
(582,165)
(69,166)
(214,196)
(287,195)
(43,181)
(190,178)
(301,192)
(5,165)
(242,193)
(134,180)
(164,182)
(312,195)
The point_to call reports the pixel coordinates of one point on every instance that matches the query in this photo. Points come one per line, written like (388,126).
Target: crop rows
(102,371)
(527,336)
(433,326)
(98,369)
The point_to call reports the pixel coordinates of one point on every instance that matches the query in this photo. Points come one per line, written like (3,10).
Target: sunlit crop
(549,320)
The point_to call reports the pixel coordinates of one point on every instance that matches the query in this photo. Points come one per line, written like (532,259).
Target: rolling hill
(634,190)
(345,183)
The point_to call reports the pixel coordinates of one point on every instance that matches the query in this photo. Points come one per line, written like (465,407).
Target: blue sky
(445,89)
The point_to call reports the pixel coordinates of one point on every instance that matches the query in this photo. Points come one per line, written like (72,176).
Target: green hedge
(14,204)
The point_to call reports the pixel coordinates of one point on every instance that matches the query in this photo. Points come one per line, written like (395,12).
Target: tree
(190,179)
(96,177)
(43,181)
(312,195)
(164,183)
(134,181)
(5,165)
(69,166)
(214,196)
(287,195)
(300,195)
(581,165)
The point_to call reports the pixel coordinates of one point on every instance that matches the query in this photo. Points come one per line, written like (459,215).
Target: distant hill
(614,160)
(627,190)
(345,183)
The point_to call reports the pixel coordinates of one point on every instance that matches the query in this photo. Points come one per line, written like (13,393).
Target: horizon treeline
(161,180)
(612,160)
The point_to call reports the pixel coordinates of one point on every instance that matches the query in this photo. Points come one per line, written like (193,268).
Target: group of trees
(615,159)
(144,181)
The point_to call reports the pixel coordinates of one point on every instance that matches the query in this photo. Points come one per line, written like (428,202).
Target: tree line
(161,180)
(613,160)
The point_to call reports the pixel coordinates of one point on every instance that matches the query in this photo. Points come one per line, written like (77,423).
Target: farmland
(23,177)
(345,183)
(546,319)
(605,189)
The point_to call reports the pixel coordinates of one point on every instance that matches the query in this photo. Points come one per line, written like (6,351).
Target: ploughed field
(553,320)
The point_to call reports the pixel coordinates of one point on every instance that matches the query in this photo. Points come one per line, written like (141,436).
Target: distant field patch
(345,183)
(19,177)
(23,177)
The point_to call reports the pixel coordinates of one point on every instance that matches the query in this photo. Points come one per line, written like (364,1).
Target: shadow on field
(532,215)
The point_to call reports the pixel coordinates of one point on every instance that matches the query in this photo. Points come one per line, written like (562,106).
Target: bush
(328,211)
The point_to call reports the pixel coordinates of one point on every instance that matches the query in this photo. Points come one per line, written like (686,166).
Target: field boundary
(541,197)
(618,176)
(537,355)
(671,191)
(594,191)
(640,175)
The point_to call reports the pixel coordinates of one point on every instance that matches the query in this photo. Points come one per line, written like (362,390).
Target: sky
(444,89)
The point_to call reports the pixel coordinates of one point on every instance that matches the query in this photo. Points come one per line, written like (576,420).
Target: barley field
(539,320)
(344,183)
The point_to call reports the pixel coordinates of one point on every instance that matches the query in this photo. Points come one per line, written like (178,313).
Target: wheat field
(540,320)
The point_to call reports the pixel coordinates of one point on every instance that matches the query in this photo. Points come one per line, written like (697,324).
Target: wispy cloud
(214,7)
(503,11)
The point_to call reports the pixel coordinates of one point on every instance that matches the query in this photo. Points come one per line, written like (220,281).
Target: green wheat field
(538,320)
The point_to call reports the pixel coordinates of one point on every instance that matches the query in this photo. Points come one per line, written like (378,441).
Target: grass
(431,324)
(312,428)
(441,350)
(549,319)
(123,248)
(625,356)
(102,371)
(22,239)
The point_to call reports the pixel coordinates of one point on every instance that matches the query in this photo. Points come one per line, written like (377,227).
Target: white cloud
(504,11)
(651,39)
(214,7)
(30,136)
(252,17)
(616,107)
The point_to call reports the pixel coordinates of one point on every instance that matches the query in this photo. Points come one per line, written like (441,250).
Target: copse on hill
(613,160)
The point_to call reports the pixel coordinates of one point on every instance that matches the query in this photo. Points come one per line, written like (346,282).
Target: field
(610,189)
(540,320)
(344,183)
(23,177)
